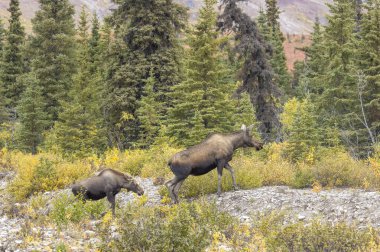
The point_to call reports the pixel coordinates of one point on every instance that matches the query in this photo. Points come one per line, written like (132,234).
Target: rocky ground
(349,205)
(353,206)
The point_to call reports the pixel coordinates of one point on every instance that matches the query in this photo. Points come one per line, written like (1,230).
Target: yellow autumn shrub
(333,168)
(374,163)
(338,169)
(156,164)
(44,172)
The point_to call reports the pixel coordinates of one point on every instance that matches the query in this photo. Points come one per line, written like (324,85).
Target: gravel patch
(354,206)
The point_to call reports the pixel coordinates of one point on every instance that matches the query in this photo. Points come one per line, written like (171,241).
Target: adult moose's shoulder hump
(107,183)
(214,152)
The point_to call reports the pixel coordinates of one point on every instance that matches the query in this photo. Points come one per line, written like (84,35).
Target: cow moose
(214,152)
(107,183)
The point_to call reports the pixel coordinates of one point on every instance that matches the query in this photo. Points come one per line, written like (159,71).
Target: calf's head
(131,185)
(250,141)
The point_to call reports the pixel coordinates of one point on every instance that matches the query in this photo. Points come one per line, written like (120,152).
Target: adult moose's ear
(243,127)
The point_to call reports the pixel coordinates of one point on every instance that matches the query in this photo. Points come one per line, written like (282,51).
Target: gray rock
(301,217)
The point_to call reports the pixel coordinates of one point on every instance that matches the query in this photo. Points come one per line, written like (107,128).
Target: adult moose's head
(249,140)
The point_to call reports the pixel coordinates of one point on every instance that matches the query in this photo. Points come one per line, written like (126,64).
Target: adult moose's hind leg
(219,168)
(171,185)
(176,189)
(229,168)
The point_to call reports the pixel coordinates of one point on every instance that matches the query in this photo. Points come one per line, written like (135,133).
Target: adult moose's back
(214,152)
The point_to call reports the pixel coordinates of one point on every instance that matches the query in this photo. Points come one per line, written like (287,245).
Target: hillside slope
(20,231)
(297,15)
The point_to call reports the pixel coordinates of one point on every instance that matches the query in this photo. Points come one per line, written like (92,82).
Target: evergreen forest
(80,93)
(145,75)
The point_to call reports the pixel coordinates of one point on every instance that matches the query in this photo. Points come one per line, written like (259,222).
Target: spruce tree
(244,113)
(3,112)
(262,23)
(256,73)
(339,102)
(2,38)
(275,37)
(148,114)
(198,132)
(146,40)
(340,45)
(369,64)
(32,115)
(204,98)
(273,16)
(12,63)
(53,52)
(309,81)
(79,128)
(301,131)
(94,45)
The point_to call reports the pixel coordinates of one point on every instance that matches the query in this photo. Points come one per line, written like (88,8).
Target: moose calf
(107,183)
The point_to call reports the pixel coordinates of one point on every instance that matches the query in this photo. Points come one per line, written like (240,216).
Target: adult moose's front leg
(229,168)
(219,168)
(111,199)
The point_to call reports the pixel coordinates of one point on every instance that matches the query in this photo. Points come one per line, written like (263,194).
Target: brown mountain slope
(297,15)
(296,18)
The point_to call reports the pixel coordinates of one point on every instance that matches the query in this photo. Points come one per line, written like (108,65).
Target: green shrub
(316,236)
(61,247)
(271,233)
(182,227)
(45,176)
(303,176)
(68,209)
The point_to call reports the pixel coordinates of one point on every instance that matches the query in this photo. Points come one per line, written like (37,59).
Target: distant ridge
(297,16)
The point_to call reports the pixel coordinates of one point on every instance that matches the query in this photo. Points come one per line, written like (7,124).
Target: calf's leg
(111,199)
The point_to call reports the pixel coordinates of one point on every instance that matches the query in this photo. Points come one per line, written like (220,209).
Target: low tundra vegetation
(182,227)
(67,209)
(199,226)
(195,225)
(270,233)
(328,168)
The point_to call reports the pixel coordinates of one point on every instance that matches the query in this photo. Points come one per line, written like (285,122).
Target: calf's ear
(243,127)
